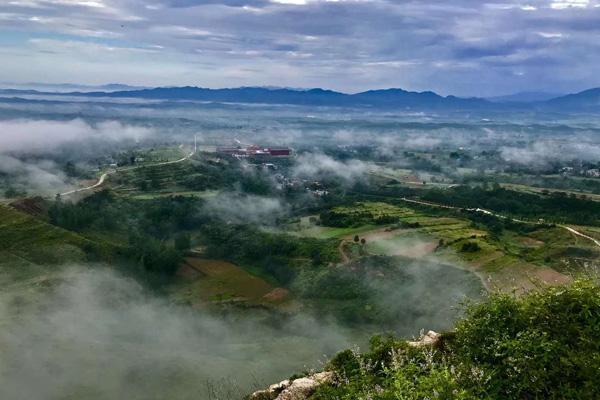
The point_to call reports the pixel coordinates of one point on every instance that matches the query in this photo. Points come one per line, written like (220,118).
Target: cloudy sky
(462,47)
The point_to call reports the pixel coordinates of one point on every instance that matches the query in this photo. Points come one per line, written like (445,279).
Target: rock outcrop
(296,389)
(302,388)
(431,338)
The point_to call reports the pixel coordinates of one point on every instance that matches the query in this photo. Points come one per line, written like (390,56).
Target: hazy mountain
(392,98)
(70,87)
(587,100)
(524,97)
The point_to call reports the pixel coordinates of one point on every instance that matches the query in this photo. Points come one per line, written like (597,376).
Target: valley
(205,258)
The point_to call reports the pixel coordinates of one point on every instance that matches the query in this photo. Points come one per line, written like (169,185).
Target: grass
(191,193)
(163,154)
(31,247)
(405,244)
(305,228)
(540,190)
(158,179)
(510,260)
(203,281)
(30,238)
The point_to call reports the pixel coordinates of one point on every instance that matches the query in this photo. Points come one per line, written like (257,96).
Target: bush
(470,247)
(543,345)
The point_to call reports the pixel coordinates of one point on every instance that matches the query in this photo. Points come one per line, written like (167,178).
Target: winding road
(487,212)
(105,175)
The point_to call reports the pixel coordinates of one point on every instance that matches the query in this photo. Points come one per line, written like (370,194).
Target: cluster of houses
(591,172)
(315,188)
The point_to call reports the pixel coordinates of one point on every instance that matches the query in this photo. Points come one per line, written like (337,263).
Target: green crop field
(203,281)
(506,261)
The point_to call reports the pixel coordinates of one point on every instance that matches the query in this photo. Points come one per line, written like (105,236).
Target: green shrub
(470,247)
(543,345)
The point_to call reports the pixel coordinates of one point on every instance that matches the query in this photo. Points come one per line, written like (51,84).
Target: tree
(70,169)
(183,242)
(10,193)
(470,247)
(155,183)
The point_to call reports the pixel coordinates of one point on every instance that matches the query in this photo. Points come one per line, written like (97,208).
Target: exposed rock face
(297,389)
(431,338)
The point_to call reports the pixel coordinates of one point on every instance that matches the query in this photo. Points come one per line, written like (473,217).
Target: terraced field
(205,281)
(510,261)
(154,179)
(29,245)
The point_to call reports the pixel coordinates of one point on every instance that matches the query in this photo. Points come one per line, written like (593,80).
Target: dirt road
(99,183)
(106,174)
(573,231)
(487,212)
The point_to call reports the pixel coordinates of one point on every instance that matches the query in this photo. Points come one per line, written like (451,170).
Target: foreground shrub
(543,345)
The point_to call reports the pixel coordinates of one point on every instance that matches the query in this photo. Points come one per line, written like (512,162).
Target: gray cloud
(316,165)
(44,136)
(541,153)
(238,208)
(37,176)
(508,46)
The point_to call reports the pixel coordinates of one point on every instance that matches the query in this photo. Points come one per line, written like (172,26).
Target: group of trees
(343,219)
(156,230)
(276,255)
(555,207)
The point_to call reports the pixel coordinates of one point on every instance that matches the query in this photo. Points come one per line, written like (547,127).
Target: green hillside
(543,345)
(29,244)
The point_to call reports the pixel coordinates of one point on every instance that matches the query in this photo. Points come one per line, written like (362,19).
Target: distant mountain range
(70,87)
(586,101)
(524,97)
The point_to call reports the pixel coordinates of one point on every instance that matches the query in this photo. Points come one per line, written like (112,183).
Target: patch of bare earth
(277,295)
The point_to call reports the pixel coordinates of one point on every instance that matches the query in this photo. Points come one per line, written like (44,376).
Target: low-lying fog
(98,335)
(92,333)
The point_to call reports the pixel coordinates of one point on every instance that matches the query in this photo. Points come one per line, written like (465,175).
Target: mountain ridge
(587,100)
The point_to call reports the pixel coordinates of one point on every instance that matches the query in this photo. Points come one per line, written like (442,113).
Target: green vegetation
(35,241)
(362,213)
(554,207)
(470,247)
(543,345)
(151,230)
(219,281)
(277,256)
(506,253)
(387,291)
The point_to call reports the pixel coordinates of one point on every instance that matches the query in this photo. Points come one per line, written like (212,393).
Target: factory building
(255,151)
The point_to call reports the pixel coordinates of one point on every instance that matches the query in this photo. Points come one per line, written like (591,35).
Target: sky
(460,47)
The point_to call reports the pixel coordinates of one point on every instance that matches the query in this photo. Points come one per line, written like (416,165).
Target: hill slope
(540,346)
(588,100)
(27,243)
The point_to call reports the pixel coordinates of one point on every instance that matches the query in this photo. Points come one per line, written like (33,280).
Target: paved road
(106,174)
